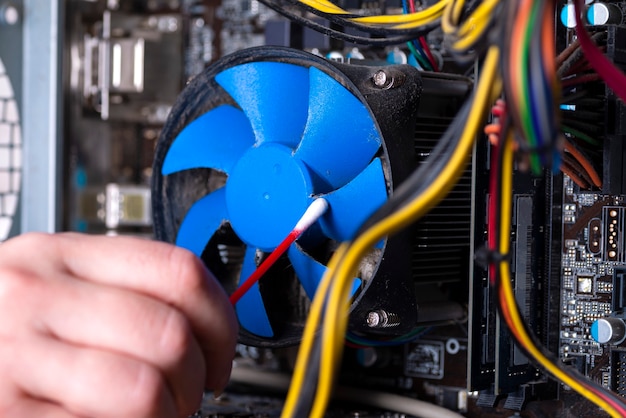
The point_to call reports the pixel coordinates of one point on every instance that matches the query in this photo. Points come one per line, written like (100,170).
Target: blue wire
(419,49)
(422,59)
(411,336)
(538,109)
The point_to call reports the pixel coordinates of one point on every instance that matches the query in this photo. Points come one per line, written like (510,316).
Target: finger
(156,269)
(114,319)
(89,382)
(28,408)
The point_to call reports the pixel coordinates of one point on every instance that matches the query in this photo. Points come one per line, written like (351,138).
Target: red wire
(499,112)
(429,54)
(614,78)
(492,242)
(492,228)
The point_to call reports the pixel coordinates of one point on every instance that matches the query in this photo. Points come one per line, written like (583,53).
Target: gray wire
(382,400)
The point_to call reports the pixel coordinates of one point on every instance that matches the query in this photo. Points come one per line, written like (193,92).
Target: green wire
(525,110)
(579,134)
(403,339)
(420,59)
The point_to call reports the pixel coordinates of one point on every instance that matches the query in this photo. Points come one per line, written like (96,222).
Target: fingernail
(221,386)
(217,394)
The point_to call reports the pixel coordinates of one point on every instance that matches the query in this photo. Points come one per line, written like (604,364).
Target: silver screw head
(381,79)
(373,319)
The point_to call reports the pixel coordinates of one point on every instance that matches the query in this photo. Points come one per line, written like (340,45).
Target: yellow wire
(451,16)
(429,14)
(308,337)
(335,320)
(334,289)
(467,41)
(325,6)
(474,26)
(505,278)
(449,10)
(413,25)
(482,13)
(333,336)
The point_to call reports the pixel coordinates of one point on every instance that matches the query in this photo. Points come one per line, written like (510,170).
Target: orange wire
(572,163)
(547,41)
(585,163)
(575,178)
(493,128)
(549,50)
(506,314)
(517,40)
(567,52)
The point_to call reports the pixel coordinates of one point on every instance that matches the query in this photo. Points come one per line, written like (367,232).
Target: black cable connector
(485,257)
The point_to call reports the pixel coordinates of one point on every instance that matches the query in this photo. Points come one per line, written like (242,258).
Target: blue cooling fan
(246,150)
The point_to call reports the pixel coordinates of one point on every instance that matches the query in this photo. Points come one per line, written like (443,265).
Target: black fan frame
(393,106)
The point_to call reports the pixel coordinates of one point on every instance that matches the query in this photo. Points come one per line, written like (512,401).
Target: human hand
(109,327)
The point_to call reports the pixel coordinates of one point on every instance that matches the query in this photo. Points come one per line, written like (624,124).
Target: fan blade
(310,271)
(352,204)
(201,221)
(250,308)
(273,95)
(217,139)
(340,138)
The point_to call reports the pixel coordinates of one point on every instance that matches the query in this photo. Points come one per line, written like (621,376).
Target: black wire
(583,115)
(573,373)
(307,394)
(570,371)
(344,20)
(594,151)
(478,47)
(577,54)
(573,164)
(425,174)
(569,62)
(582,126)
(577,96)
(399,37)
(417,186)
(542,111)
(506,28)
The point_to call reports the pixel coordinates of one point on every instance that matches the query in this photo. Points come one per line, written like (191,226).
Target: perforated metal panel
(11,116)
(10,153)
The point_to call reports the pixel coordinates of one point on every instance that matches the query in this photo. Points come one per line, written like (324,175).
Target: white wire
(382,400)
(393,402)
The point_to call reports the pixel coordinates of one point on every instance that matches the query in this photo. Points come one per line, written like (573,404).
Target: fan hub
(266,193)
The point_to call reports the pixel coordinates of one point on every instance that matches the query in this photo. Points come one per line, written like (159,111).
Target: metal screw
(381,79)
(382,319)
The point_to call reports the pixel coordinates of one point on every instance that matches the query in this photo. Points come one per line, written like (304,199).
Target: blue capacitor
(568,16)
(604,14)
(608,330)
